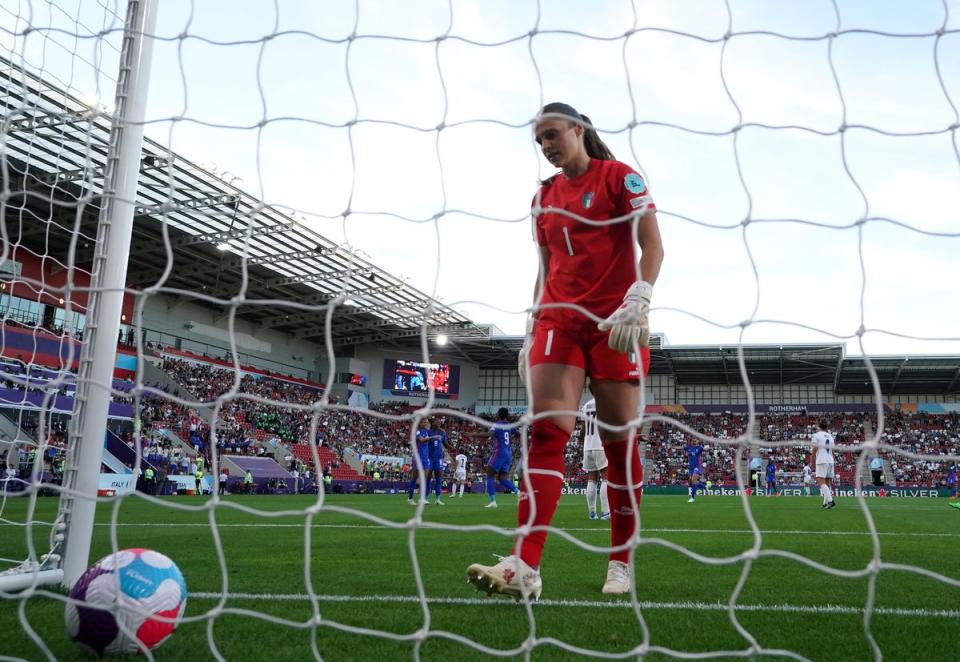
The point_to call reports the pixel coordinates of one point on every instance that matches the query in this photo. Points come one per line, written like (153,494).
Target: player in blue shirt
(952,485)
(771,477)
(425,440)
(695,467)
(502,457)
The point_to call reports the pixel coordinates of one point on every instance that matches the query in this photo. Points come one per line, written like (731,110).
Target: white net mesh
(804,161)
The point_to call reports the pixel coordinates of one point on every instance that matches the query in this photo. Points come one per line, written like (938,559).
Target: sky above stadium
(758,223)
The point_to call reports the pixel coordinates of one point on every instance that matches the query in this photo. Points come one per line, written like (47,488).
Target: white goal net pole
(109,272)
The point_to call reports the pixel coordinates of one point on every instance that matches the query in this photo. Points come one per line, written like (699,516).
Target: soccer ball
(120,594)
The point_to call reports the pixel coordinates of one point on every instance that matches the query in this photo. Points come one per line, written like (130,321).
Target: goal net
(224,228)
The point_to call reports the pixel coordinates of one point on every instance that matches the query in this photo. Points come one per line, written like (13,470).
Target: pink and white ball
(128,588)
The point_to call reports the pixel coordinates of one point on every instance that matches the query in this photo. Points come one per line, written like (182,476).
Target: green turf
(364,575)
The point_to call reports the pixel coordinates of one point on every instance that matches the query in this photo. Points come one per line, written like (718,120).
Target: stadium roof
(55,151)
(806,364)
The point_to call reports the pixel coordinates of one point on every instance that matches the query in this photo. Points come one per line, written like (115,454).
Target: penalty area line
(590,604)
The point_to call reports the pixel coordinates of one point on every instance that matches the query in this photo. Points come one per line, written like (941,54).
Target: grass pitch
(362,570)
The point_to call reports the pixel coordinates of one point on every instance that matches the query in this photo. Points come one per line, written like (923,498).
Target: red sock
(545,454)
(623,520)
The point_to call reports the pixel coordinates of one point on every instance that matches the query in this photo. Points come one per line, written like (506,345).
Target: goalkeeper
(592,265)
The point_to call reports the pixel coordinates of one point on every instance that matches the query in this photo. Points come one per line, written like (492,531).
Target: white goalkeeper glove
(525,352)
(628,325)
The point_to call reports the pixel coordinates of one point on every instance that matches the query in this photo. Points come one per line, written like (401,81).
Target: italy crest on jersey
(587,199)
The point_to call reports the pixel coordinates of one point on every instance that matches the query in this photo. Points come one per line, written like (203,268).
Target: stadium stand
(172,433)
(668,461)
(329,461)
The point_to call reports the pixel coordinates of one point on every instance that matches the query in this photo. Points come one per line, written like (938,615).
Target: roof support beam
(198,265)
(263,283)
(43,119)
(673,369)
(836,373)
(953,382)
(268,283)
(154,246)
(149,162)
(321,315)
(808,379)
(231,263)
(780,379)
(404,333)
(441,316)
(316,278)
(235,262)
(896,377)
(194,203)
(318,330)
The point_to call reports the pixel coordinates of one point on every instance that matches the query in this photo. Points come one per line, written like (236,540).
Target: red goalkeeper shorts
(577,341)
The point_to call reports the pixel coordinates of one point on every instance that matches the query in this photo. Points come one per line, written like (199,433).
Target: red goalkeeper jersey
(590,265)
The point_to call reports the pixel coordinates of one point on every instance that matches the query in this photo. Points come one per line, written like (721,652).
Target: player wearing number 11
(594,463)
(588,220)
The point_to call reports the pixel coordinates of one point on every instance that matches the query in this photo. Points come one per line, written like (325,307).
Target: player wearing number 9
(588,221)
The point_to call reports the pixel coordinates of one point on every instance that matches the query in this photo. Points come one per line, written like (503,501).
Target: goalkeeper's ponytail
(596,148)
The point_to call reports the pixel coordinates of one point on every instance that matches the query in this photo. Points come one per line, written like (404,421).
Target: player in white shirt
(594,462)
(823,443)
(9,475)
(459,474)
(807,478)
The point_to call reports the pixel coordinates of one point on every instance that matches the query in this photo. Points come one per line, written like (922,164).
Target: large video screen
(411,378)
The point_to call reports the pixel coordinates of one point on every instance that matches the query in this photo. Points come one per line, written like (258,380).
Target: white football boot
(510,576)
(492,504)
(619,577)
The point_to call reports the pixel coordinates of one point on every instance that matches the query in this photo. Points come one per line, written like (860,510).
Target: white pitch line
(589,604)
(794,532)
(801,532)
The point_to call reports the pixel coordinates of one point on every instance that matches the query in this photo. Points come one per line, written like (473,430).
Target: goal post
(69,556)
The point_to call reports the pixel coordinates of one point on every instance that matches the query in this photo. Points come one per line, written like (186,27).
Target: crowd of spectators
(20,457)
(253,407)
(253,426)
(921,433)
(790,432)
(930,434)
(258,420)
(370,435)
